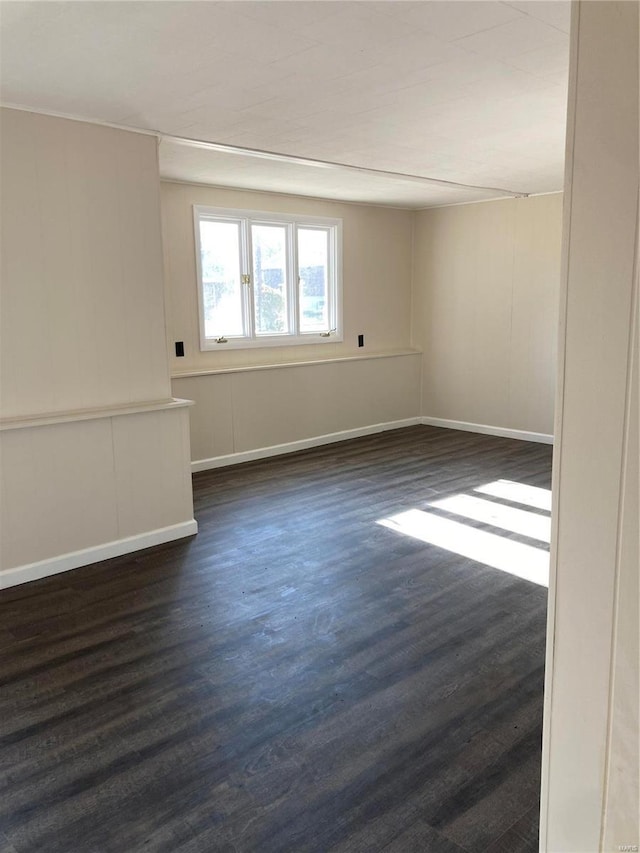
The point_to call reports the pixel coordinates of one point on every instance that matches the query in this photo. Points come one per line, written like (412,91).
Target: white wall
(82,304)
(77,491)
(246,410)
(622,797)
(94,453)
(475,287)
(240,410)
(590,789)
(377,244)
(485,294)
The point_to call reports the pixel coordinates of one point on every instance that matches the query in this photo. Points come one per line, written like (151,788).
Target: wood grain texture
(295,678)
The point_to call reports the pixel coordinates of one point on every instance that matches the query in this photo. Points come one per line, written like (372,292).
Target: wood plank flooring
(295,678)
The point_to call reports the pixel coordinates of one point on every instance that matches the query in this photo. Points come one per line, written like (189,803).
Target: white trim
(344,435)
(563,301)
(302,444)
(330,164)
(91,414)
(268,216)
(486,429)
(76,559)
(389,205)
(23,108)
(245,219)
(281,158)
(277,365)
(271,341)
(473,201)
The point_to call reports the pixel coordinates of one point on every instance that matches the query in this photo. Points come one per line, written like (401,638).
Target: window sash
(293,320)
(227,262)
(329,288)
(288,283)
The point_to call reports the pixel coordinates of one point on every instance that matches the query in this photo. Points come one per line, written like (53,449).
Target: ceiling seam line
(328,164)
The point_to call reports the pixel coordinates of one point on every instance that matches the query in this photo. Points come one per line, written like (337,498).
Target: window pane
(269,278)
(221,286)
(313,269)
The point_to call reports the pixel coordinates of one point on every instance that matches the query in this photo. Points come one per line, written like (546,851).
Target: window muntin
(267,279)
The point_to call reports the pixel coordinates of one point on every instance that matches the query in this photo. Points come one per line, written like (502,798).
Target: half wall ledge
(71,415)
(79,487)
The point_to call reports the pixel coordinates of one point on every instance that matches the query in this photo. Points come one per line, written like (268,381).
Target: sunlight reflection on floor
(492,549)
(518,493)
(520,521)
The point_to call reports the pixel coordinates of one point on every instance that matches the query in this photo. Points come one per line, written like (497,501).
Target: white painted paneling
(301,444)
(80,485)
(377,245)
(58,490)
(152,471)
(300,402)
(489,429)
(212,414)
(142,312)
(251,409)
(95,553)
(533,344)
(589,744)
(82,301)
(485,293)
(83,343)
(622,797)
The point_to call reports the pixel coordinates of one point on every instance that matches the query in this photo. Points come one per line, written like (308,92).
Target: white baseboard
(302,444)
(485,429)
(75,559)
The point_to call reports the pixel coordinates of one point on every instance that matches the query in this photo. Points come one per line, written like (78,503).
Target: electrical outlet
(179,349)
(360,340)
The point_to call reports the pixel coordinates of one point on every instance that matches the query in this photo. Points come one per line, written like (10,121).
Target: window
(266,279)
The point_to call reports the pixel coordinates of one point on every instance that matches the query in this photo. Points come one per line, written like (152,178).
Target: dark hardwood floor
(297,677)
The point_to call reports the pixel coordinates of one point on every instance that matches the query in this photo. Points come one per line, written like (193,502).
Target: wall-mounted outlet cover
(360,340)
(179,349)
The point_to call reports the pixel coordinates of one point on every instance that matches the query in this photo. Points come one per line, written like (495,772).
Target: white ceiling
(467,92)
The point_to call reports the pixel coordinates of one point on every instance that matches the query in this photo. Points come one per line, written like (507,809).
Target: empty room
(319,426)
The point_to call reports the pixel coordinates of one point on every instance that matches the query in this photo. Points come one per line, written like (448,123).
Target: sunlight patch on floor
(518,493)
(523,561)
(520,521)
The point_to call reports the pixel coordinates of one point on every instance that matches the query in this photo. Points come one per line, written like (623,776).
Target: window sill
(211,345)
(243,368)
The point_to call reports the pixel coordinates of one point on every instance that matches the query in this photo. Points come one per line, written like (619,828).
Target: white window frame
(247,218)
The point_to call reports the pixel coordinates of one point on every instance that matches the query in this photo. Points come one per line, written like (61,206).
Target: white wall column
(590,743)
(94,451)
